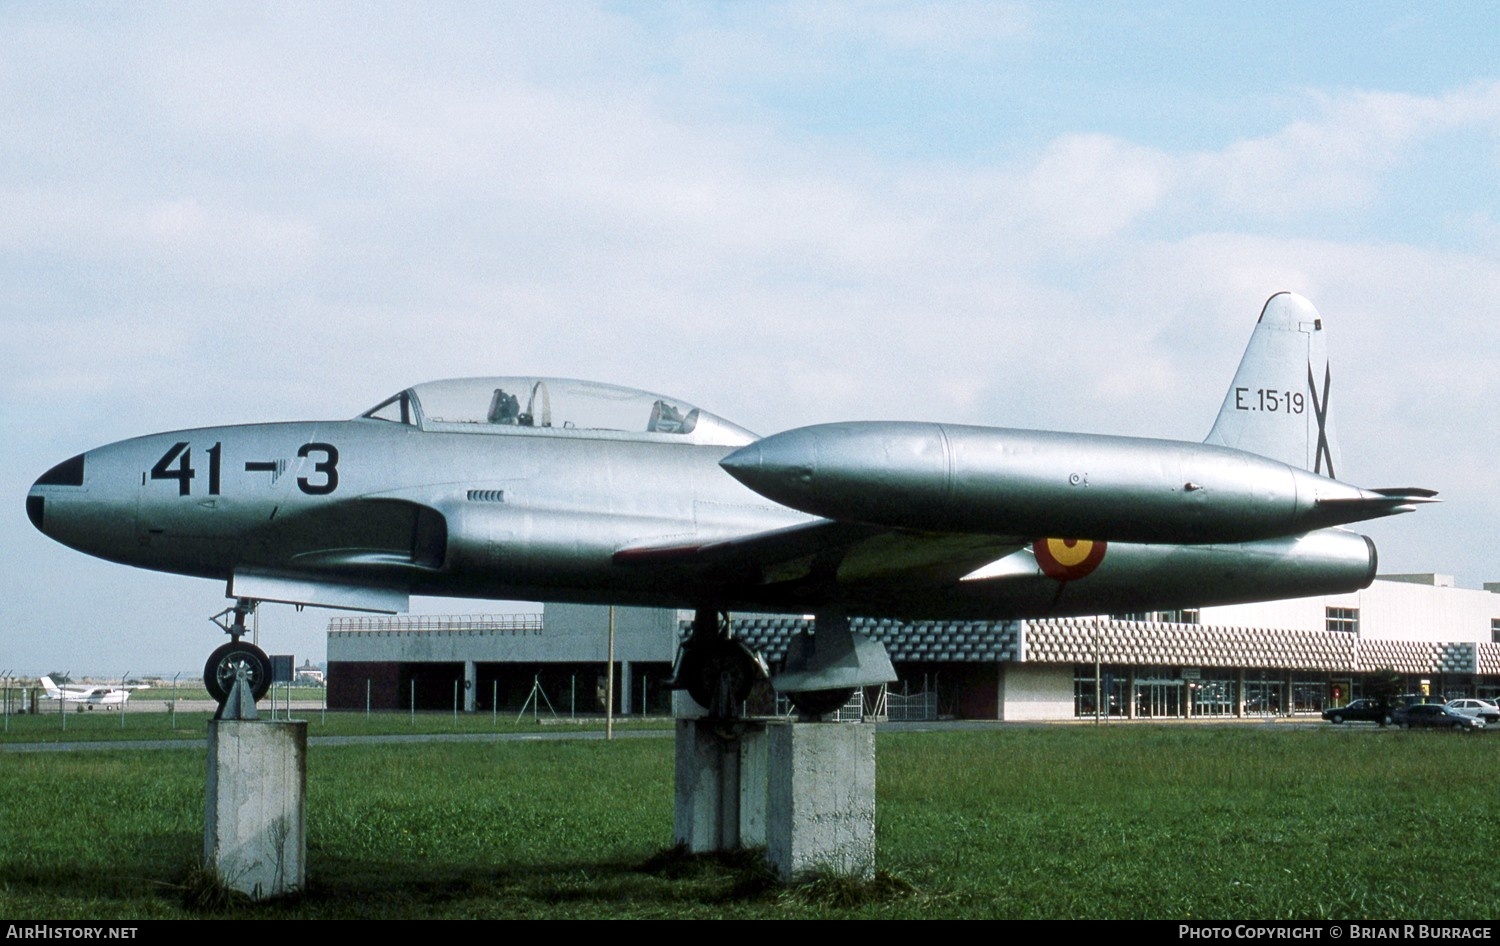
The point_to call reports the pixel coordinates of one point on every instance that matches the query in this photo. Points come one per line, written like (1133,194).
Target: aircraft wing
(817,560)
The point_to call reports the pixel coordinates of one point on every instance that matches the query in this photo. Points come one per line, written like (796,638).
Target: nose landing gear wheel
(719,675)
(219,672)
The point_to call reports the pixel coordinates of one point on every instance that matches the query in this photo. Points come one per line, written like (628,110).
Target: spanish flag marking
(1068,559)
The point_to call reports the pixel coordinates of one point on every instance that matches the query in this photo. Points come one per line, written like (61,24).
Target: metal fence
(449,623)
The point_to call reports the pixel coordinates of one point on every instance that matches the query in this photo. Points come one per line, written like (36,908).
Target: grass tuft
(721,876)
(842,892)
(204,892)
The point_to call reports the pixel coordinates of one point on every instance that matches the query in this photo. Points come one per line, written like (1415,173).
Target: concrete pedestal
(255,826)
(721,780)
(804,791)
(821,809)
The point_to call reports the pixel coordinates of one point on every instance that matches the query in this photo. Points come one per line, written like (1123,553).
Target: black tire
(219,671)
(1336,719)
(820,702)
(1461,727)
(722,669)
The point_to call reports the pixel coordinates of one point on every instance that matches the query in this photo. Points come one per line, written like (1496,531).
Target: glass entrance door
(1157,699)
(1264,697)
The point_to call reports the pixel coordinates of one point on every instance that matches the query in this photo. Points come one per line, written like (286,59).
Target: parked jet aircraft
(87,696)
(558,490)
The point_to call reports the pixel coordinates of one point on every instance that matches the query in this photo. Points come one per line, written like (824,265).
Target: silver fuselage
(362,513)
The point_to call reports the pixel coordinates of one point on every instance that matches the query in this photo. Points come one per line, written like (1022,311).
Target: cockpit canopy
(557,407)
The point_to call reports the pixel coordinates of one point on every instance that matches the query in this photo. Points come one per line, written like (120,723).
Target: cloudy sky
(1057,215)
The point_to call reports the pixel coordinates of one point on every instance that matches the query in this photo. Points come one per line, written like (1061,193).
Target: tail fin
(50,687)
(1277,406)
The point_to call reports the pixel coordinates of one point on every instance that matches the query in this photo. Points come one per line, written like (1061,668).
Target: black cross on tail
(1320,410)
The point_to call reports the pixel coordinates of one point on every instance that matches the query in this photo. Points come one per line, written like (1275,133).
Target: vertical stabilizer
(1277,406)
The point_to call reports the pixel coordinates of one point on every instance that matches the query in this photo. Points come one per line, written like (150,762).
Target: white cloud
(1090,187)
(1338,159)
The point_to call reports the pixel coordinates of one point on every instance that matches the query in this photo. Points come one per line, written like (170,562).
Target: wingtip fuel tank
(985,480)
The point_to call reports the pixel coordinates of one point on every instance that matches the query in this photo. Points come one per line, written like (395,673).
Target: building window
(1495,630)
(1345,620)
(1183,616)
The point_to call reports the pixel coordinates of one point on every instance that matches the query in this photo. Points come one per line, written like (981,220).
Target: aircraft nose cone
(67,473)
(35,510)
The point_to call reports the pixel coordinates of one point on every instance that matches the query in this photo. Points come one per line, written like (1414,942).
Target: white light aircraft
(86,696)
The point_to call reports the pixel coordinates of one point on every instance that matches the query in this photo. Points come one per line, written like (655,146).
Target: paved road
(395,739)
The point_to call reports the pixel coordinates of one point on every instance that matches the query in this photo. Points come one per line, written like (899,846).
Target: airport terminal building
(1288,657)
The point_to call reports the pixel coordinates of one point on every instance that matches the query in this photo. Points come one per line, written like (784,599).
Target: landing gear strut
(717,669)
(822,670)
(224,663)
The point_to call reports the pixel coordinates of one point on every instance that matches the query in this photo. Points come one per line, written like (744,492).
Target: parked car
(1368,711)
(1412,699)
(1436,715)
(1484,709)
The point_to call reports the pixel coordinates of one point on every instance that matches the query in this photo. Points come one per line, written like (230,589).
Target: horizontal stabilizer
(1415,494)
(1376,503)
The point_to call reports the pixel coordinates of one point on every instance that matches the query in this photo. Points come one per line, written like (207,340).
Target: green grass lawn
(1135,821)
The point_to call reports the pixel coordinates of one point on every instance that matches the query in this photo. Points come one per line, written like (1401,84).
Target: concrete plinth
(720,793)
(255,827)
(821,811)
(804,791)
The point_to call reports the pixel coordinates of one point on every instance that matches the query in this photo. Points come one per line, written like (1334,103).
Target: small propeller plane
(88,696)
(559,490)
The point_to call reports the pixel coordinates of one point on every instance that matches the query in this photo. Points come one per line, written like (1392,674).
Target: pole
(609,684)
(495,702)
(414,702)
(367,699)
(1098,672)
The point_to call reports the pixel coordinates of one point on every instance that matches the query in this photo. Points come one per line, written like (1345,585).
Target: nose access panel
(67,473)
